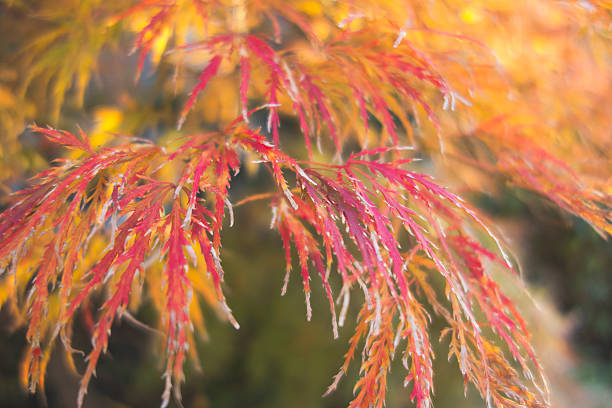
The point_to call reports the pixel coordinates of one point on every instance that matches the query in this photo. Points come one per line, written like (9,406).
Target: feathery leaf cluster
(398,79)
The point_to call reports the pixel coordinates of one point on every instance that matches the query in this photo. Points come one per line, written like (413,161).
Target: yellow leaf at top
(471,15)
(159,45)
(310,7)
(108,120)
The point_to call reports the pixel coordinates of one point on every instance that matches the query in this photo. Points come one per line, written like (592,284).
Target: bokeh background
(277,359)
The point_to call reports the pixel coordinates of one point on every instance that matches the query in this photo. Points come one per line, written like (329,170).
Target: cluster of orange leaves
(396,78)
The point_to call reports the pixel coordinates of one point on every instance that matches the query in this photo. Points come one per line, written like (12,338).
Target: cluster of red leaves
(115,188)
(383,227)
(149,219)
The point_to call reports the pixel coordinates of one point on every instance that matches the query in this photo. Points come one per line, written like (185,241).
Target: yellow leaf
(108,120)
(471,15)
(7,99)
(313,8)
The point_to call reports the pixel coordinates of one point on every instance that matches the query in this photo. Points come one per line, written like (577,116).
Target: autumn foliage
(374,87)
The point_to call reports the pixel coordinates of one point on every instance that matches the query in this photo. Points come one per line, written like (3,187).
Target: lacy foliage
(137,218)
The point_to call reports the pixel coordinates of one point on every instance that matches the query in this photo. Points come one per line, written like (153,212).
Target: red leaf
(207,74)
